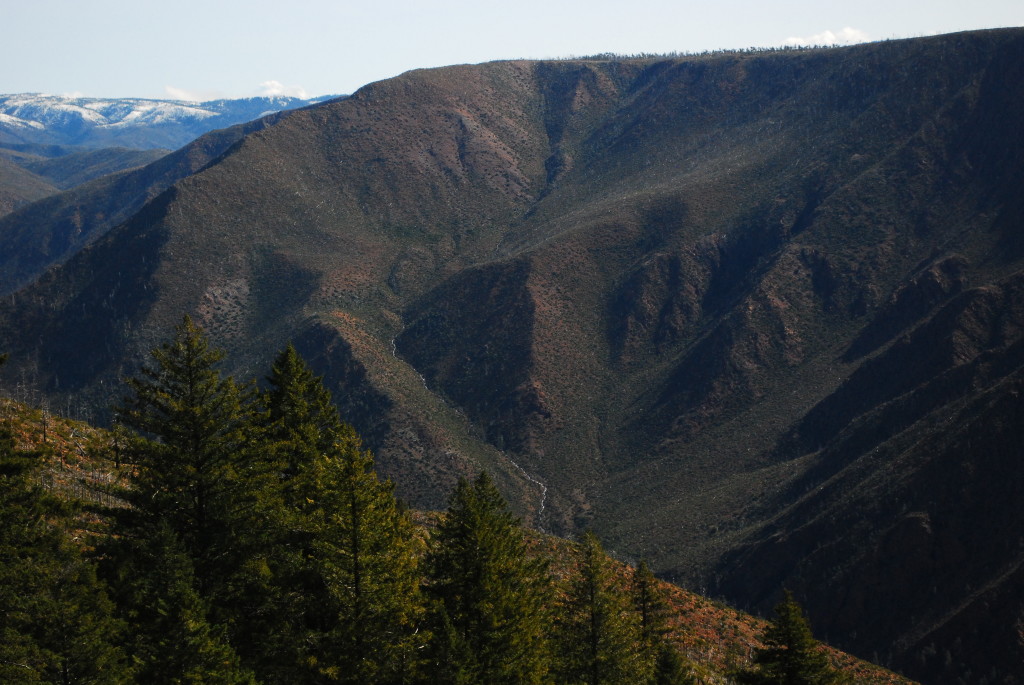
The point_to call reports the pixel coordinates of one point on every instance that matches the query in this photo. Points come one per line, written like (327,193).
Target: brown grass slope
(686,302)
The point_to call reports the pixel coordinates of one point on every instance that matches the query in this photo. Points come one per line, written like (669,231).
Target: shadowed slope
(682,301)
(49,231)
(19,186)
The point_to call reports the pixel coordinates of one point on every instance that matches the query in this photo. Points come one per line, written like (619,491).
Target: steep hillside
(739,313)
(62,141)
(913,500)
(19,186)
(50,230)
(68,167)
(79,465)
(32,172)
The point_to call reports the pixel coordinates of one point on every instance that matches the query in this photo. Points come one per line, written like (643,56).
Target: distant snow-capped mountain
(129,122)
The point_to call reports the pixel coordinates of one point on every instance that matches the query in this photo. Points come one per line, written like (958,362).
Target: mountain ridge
(52,143)
(37,118)
(635,279)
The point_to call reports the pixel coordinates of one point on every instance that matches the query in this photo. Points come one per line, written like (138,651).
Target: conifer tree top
(791,655)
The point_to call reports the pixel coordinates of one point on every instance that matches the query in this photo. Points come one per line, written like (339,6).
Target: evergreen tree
(345,559)
(196,488)
(670,668)
(489,594)
(652,609)
(285,598)
(56,622)
(173,639)
(191,472)
(600,639)
(366,553)
(791,655)
(283,554)
(300,417)
(298,425)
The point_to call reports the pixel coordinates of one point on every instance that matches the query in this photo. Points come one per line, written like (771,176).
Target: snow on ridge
(16,122)
(81,120)
(116,112)
(162,112)
(100,111)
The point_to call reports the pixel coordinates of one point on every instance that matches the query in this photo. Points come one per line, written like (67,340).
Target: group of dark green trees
(258,545)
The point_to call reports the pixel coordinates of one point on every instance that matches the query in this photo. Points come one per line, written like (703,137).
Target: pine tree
(196,489)
(284,555)
(300,417)
(298,424)
(791,655)
(652,609)
(190,461)
(345,561)
(173,638)
(670,668)
(650,605)
(285,598)
(489,594)
(366,552)
(599,633)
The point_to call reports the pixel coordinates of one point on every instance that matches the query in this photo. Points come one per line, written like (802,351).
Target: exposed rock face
(754,317)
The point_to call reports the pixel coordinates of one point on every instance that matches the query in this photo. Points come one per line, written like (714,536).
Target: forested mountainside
(751,316)
(29,173)
(221,534)
(19,186)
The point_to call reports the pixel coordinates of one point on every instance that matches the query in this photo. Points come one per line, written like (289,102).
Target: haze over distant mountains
(756,317)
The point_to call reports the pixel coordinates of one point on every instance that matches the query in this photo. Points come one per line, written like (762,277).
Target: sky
(207,49)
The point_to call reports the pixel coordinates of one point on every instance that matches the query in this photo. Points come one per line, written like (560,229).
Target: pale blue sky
(202,49)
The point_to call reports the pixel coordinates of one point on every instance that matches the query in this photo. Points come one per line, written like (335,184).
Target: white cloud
(844,36)
(272,88)
(266,89)
(191,95)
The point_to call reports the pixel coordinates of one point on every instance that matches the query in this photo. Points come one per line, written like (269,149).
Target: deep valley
(754,317)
